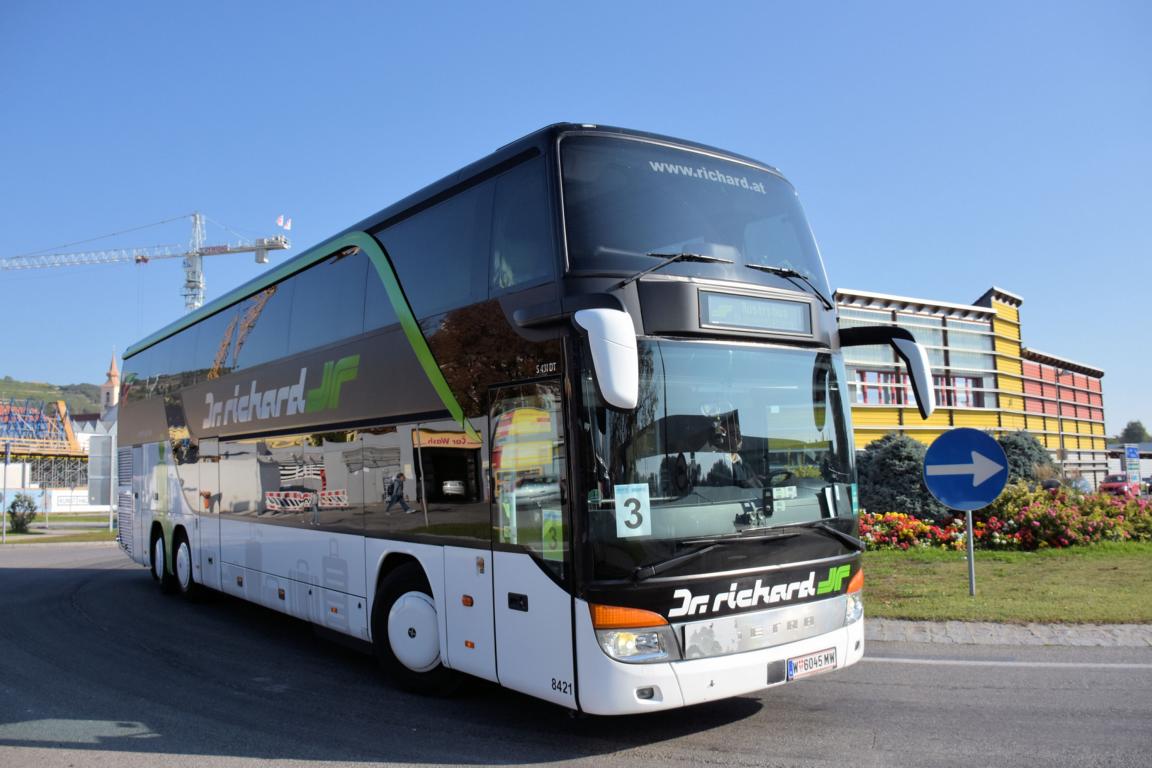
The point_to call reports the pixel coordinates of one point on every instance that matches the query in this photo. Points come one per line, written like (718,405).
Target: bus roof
(512,153)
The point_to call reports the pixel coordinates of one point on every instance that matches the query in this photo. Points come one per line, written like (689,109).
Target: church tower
(110,389)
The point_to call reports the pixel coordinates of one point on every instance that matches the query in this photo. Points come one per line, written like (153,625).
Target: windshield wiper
(672,258)
(792,275)
(764,533)
(648,571)
(836,533)
(660,566)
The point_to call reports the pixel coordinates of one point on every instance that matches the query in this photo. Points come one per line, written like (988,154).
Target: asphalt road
(97,668)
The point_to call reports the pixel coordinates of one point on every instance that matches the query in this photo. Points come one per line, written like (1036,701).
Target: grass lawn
(1104,583)
(39,537)
(64,517)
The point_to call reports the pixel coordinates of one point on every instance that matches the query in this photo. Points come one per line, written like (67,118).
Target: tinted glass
(523,251)
(310,480)
(378,311)
(262,332)
(328,303)
(528,455)
(178,356)
(625,199)
(214,343)
(440,255)
(138,373)
(724,439)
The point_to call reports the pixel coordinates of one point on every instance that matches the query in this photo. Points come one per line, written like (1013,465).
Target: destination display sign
(727,310)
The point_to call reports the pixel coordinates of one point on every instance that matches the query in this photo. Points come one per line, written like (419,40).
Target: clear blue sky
(938,149)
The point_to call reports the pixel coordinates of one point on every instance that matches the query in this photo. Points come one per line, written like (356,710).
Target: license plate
(820,661)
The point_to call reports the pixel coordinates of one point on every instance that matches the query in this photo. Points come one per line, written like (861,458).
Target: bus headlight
(639,646)
(633,635)
(854,609)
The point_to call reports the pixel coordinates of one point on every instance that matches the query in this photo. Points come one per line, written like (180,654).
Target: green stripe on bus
(408,322)
(395,296)
(251,288)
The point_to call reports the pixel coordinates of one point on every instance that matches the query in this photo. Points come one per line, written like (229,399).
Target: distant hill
(80,398)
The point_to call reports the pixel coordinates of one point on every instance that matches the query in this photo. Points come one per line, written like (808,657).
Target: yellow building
(985,378)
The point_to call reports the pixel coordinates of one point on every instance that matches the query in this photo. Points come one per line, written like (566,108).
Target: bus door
(531,541)
(208,513)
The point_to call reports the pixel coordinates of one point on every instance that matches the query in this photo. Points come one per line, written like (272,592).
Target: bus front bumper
(610,687)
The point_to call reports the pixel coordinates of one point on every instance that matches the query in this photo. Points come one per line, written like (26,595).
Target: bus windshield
(727,438)
(625,199)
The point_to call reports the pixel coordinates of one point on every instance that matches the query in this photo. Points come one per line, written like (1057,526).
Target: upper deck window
(522,249)
(625,199)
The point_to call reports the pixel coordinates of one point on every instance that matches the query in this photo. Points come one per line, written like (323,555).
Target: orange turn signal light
(857,582)
(467,601)
(617,617)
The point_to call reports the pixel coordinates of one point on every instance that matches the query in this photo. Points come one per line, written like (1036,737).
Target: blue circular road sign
(965,469)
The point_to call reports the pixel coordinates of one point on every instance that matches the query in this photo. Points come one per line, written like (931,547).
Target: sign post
(4,494)
(1132,463)
(965,470)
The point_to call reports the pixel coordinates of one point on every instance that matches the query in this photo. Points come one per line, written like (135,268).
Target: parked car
(1080,484)
(1077,484)
(453,488)
(1119,485)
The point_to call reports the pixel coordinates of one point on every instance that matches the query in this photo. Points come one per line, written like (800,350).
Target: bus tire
(182,565)
(159,567)
(406,633)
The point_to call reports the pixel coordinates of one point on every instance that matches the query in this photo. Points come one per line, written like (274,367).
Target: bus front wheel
(406,633)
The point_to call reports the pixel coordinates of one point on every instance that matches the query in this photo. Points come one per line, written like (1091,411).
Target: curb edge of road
(1004,634)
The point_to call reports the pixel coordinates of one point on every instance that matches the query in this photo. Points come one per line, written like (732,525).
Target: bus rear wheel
(182,565)
(406,633)
(159,566)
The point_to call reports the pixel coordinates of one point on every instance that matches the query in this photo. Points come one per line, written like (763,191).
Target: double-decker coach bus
(572,419)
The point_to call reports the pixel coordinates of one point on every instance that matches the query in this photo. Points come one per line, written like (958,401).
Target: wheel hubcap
(158,559)
(184,566)
(413,631)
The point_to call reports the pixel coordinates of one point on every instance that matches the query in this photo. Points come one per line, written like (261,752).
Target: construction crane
(193,256)
(251,315)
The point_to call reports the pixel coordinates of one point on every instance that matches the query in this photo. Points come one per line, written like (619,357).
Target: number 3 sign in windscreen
(633,511)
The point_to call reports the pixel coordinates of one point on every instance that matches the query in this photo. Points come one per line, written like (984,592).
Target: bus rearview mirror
(913,355)
(615,362)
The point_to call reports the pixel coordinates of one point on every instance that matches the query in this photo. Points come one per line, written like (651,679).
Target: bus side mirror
(615,362)
(913,355)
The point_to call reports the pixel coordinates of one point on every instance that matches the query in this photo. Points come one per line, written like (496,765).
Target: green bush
(21,513)
(890,472)
(1028,460)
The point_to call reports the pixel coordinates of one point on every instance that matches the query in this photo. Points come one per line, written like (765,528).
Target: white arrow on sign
(981,469)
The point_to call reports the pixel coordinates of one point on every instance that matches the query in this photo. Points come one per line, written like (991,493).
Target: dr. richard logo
(289,400)
(759,594)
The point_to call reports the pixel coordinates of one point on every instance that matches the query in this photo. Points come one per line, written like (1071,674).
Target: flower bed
(1020,519)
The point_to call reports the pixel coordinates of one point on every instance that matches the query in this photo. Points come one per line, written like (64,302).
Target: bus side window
(438,254)
(523,251)
(528,472)
(328,304)
(262,333)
